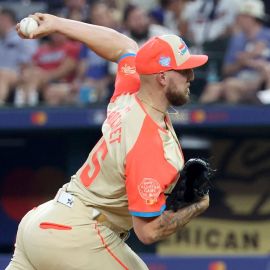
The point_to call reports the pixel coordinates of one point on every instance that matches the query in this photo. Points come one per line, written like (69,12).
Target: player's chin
(185,98)
(181,100)
(178,98)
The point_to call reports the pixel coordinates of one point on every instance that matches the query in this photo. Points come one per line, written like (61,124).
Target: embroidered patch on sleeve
(149,190)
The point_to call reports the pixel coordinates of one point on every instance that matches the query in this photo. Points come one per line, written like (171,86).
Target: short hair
(164,3)
(128,9)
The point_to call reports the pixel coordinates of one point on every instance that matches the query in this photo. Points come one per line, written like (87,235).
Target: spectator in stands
(53,5)
(50,74)
(75,9)
(267,11)
(93,79)
(169,14)
(208,20)
(247,54)
(266,75)
(102,14)
(138,25)
(14,53)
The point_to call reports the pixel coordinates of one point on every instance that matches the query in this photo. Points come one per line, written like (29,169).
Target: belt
(68,200)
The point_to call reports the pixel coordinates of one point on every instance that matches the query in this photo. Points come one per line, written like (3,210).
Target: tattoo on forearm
(166,219)
(169,221)
(180,218)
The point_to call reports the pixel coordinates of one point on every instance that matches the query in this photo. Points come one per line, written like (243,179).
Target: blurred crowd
(57,71)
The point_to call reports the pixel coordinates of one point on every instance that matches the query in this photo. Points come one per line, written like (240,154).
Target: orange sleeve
(148,174)
(127,79)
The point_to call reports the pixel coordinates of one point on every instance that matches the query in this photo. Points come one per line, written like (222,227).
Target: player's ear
(161,78)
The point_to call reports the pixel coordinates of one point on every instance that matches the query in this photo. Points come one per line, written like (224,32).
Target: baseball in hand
(28,25)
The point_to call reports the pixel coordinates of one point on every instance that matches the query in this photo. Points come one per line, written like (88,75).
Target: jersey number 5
(93,164)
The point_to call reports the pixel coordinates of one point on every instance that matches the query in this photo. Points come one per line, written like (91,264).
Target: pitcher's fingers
(21,35)
(38,17)
(36,34)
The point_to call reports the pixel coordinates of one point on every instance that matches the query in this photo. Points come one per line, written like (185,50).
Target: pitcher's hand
(47,25)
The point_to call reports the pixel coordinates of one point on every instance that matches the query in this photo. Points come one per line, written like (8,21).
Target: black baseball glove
(194,183)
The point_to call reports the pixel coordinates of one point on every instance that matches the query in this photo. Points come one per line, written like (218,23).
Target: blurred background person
(265,69)
(93,80)
(51,73)
(206,26)
(14,53)
(169,14)
(208,20)
(247,53)
(138,26)
(75,10)
(267,10)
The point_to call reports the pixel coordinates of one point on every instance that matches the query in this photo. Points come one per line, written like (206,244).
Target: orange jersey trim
(49,225)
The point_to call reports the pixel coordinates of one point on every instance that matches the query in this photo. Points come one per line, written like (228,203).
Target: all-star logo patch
(149,190)
(126,69)
(182,49)
(165,61)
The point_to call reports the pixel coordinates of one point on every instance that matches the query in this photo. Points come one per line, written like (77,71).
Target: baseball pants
(57,237)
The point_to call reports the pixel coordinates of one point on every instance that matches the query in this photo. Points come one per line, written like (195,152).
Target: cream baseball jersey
(134,162)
